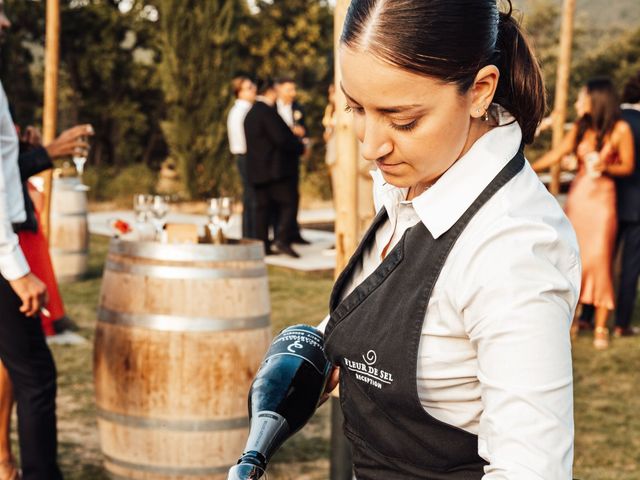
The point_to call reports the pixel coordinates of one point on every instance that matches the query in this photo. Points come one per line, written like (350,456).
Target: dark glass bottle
(283,396)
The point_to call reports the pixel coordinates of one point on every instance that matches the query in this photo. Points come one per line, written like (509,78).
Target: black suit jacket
(271,145)
(31,161)
(628,188)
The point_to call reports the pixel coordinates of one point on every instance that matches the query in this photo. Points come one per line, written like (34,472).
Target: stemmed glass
(80,157)
(141,207)
(219,210)
(159,209)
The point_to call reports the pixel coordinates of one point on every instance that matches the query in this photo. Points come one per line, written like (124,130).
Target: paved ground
(314,257)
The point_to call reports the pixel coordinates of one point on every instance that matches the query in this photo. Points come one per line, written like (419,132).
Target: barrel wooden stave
(69,230)
(172,403)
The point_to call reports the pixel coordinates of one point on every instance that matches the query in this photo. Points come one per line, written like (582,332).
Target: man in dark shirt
(270,147)
(628,192)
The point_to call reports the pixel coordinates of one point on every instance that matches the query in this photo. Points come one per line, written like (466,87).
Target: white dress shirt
(12,262)
(495,353)
(235,126)
(285,110)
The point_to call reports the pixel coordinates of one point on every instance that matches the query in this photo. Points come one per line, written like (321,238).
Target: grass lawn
(607,396)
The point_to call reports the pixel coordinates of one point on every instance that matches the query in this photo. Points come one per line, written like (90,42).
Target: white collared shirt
(235,126)
(12,262)
(286,112)
(495,354)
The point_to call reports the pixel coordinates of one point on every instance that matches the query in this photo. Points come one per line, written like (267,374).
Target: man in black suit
(628,192)
(293,115)
(271,148)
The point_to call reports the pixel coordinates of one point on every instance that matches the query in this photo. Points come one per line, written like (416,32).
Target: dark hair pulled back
(452,40)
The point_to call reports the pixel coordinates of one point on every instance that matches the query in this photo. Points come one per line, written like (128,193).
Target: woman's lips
(387,166)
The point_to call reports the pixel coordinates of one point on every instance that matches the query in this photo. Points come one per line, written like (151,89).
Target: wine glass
(80,156)
(246,471)
(219,211)
(141,207)
(159,209)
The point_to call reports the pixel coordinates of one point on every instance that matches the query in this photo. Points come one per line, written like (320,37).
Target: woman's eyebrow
(394,109)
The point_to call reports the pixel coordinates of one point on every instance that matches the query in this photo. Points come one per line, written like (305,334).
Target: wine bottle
(283,396)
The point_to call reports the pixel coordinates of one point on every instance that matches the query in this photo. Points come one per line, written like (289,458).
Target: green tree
(109,78)
(293,38)
(199,40)
(17,60)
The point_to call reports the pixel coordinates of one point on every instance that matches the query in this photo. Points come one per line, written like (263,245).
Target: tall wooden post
(562,85)
(346,230)
(346,196)
(50,113)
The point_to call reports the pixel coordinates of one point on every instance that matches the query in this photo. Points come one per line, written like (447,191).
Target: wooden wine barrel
(181,332)
(69,232)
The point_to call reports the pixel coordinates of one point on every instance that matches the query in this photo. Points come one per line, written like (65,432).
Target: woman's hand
(332,383)
(70,142)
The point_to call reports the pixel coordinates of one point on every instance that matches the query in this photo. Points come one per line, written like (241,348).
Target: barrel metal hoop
(174,425)
(167,470)
(182,273)
(252,250)
(62,251)
(175,323)
(68,214)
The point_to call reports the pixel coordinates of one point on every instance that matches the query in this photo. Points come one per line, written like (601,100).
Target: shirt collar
(442,205)
(243,103)
(631,106)
(265,100)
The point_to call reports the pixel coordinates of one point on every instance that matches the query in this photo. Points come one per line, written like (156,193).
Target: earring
(485,117)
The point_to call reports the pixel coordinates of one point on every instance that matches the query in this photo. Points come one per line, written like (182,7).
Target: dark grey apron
(374,335)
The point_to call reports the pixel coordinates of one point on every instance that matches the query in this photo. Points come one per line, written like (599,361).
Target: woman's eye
(404,127)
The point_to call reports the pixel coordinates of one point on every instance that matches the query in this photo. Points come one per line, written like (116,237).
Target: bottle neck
(254,458)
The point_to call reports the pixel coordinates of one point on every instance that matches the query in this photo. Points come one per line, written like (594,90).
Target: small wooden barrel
(69,232)
(181,332)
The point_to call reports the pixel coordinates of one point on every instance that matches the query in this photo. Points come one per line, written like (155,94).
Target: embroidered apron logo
(370,358)
(367,373)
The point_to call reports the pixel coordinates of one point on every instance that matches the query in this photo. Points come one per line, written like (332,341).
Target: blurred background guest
(270,147)
(628,191)
(329,125)
(603,145)
(293,115)
(244,91)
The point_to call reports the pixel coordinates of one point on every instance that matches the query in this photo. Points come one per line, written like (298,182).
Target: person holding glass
(603,145)
(449,328)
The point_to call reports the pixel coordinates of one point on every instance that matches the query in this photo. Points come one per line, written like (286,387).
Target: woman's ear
(483,90)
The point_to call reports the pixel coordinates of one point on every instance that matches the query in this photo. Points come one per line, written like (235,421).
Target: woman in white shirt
(450,325)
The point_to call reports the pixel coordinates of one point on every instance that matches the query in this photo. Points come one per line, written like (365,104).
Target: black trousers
(27,357)
(629,239)
(248,200)
(275,197)
(294,192)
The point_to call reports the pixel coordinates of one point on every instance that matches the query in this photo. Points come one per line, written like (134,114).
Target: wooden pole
(346,230)
(50,113)
(562,85)
(346,196)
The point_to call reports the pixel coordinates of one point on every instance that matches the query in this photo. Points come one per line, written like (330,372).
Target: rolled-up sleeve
(517,313)
(13,265)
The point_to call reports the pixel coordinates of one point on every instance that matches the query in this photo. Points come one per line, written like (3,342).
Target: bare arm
(555,155)
(622,142)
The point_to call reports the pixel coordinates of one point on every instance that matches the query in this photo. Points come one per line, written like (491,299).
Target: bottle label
(267,428)
(303,343)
